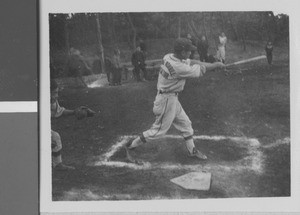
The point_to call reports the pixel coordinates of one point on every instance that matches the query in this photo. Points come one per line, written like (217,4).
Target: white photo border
(275,204)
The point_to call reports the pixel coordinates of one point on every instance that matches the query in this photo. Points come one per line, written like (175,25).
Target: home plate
(194,181)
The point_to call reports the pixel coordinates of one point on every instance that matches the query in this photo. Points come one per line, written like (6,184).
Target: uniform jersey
(167,109)
(174,72)
(223,40)
(269,49)
(116,61)
(56,110)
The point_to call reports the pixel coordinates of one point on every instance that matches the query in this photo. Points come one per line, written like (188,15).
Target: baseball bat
(246,60)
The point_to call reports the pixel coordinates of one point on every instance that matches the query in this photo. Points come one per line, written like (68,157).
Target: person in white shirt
(222,46)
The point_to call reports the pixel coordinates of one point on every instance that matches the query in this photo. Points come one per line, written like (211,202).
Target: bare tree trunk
(114,35)
(243,39)
(133,30)
(67,37)
(236,37)
(190,29)
(128,38)
(67,43)
(179,27)
(262,20)
(156,33)
(204,25)
(194,29)
(99,37)
(274,28)
(211,30)
(82,28)
(222,20)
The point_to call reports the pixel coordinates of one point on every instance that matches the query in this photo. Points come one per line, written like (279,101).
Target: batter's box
(226,153)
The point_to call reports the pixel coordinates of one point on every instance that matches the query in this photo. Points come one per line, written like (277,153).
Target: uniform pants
(203,56)
(117,76)
(222,53)
(136,72)
(56,147)
(168,111)
(269,57)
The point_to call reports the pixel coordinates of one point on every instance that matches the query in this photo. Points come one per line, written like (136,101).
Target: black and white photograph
(165,107)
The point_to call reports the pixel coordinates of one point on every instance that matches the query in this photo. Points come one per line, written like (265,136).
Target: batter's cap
(184,44)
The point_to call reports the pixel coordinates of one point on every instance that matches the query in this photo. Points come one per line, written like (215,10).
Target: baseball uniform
(167,109)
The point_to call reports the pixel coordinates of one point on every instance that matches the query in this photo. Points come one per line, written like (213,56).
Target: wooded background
(97,34)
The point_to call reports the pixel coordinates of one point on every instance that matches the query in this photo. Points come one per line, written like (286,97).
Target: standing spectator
(269,52)
(138,61)
(143,46)
(194,42)
(109,70)
(77,67)
(202,48)
(125,72)
(222,46)
(117,75)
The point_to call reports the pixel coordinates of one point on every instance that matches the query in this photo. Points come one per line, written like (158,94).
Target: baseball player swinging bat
(246,61)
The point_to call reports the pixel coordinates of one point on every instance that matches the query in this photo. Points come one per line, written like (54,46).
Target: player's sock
(137,142)
(189,142)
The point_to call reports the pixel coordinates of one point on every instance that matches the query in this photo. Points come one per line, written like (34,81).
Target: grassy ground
(254,103)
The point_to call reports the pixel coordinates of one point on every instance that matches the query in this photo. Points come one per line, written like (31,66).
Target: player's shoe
(129,157)
(196,153)
(127,145)
(63,167)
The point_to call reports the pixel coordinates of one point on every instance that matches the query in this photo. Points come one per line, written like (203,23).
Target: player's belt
(161,92)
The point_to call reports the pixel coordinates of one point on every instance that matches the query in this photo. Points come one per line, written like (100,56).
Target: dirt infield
(241,121)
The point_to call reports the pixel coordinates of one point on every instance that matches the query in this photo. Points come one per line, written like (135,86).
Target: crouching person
(56,112)
(56,144)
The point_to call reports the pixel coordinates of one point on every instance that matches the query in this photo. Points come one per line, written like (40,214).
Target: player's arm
(208,66)
(80,112)
(82,59)
(187,71)
(58,111)
(68,112)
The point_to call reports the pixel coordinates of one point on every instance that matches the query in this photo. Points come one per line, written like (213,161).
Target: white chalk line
(254,160)
(285,141)
(116,147)
(147,165)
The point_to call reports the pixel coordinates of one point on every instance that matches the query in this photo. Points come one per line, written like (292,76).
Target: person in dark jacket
(269,52)
(194,42)
(138,61)
(77,66)
(109,70)
(117,70)
(142,45)
(202,48)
